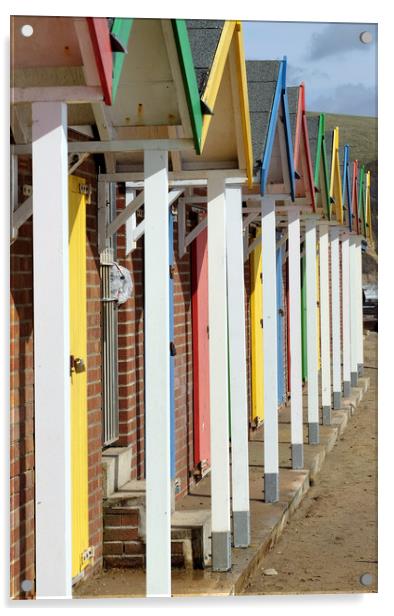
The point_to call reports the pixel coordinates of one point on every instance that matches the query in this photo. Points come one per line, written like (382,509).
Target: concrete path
(331,541)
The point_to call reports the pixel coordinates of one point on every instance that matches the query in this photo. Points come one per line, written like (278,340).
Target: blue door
(172,342)
(280,307)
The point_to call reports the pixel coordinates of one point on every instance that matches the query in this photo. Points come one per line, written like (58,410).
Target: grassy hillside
(360,132)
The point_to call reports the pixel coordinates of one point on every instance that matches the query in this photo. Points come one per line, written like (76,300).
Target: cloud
(296,74)
(349,98)
(337,39)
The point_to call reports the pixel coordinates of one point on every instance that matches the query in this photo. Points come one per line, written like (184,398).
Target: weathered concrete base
(337,396)
(326,415)
(313,433)
(221,551)
(241,529)
(297,456)
(353,379)
(271,487)
(346,389)
(360,368)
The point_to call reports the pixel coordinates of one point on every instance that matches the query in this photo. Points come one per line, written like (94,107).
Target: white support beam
(359,300)
(311,311)
(250,247)
(237,368)
(180,178)
(336,318)
(157,377)
(14,183)
(67,94)
(129,210)
(139,231)
(297,438)
(51,352)
(117,145)
(325,333)
(270,323)
(190,237)
(353,312)
(131,222)
(218,374)
(346,315)
(181,227)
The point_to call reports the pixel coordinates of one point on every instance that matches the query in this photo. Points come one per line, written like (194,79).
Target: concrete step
(125,536)
(116,464)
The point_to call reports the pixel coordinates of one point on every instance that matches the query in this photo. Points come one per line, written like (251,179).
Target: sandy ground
(331,541)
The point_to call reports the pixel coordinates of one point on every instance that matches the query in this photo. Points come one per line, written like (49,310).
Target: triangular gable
(316,126)
(302,155)
(271,138)
(355,218)
(189,79)
(346,186)
(368,215)
(120,33)
(217,47)
(335,178)
(361,201)
(157,93)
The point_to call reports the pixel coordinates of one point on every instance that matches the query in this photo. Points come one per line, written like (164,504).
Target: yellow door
(78,351)
(318,311)
(256,335)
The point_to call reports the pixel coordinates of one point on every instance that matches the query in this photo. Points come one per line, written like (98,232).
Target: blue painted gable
(346,186)
(280,101)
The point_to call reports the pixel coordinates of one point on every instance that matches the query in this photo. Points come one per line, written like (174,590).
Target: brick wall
(22,507)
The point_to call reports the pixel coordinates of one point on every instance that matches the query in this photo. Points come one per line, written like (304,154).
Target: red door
(200,330)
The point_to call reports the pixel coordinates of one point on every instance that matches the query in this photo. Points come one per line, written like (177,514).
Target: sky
(339,71)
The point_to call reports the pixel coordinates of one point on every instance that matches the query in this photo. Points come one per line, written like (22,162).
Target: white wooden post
(297,438)
(353,313)
(360,354)
(157,377)
(311,311)
(237,356)
(217,301)
(346,315)
(270,323)
(325,324)
(51,351)
(336,318)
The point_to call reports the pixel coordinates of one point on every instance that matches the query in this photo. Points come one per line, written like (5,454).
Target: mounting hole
(366,579)
(27,585)
(27,30)
(366,37)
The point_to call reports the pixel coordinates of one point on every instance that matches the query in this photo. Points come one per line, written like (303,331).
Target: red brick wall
(22,540)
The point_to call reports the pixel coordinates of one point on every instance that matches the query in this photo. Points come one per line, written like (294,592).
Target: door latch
(77,364)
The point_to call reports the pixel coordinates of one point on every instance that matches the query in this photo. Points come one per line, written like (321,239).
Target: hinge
(86,189)
(262,323)
(261,276)
(172,349)
(27,190)
(208,331)
(172,270)
(87,554)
